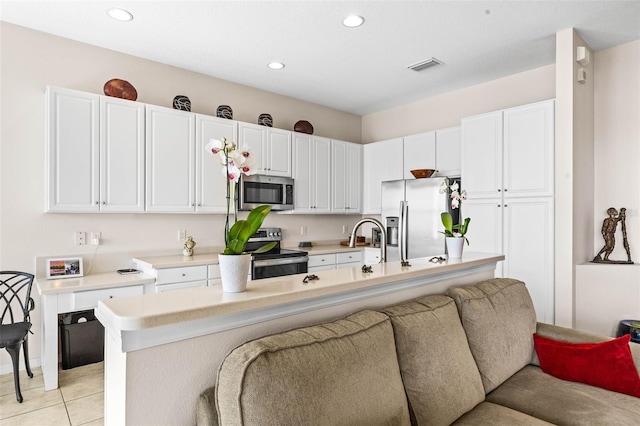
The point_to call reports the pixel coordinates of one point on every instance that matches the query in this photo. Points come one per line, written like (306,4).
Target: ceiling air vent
(423,65)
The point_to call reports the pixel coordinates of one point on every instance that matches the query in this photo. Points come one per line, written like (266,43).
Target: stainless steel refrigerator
(411,212)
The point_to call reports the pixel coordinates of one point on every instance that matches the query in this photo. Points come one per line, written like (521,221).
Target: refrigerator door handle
(402,234)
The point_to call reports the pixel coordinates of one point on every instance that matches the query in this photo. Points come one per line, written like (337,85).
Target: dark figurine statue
(609,226)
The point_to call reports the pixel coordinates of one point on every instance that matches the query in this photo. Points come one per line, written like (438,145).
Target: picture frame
(64,267)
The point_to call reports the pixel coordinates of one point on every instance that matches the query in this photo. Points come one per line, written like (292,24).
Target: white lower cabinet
(372,255)
(214,277)
(89,299)
(348,259)
(321,262)
(522,229)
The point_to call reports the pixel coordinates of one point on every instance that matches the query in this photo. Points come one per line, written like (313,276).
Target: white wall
(617,142)
(446,110)
(31,60)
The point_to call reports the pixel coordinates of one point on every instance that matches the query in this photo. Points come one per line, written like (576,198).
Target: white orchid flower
(444,186)
(214,146)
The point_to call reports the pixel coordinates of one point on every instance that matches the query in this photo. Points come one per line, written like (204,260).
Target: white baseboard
(8,368)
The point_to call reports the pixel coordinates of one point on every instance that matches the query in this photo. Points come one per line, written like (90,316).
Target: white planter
(454,247)
(234,272)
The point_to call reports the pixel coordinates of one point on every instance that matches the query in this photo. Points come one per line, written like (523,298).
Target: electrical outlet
(345,229)
(182,235)
(96,237)
(303,230)
(80,238)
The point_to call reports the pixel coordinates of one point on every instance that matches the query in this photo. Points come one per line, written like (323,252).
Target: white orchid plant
(235,163)
(457,196)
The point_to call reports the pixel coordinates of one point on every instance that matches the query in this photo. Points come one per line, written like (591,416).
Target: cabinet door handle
(506,205)
(104,202)
(97,203)
(499,189)
(505,190)
(498,205)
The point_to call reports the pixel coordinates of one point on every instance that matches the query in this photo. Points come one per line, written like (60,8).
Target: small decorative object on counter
(225,111)
(265,120)
(311,277)
(367,269)
(189,244)
(437,259)
(182,103)
(608,231)
(303,126)
(404,263)
(118,88)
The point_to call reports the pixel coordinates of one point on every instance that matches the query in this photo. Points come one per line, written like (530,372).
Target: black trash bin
(631,327)
(82,339)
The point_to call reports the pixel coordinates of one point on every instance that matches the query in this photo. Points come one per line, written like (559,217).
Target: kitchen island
(162,350)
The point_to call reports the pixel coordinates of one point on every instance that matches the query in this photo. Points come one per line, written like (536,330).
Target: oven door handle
(283,261)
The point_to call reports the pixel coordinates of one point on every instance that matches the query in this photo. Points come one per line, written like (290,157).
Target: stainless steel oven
(257,190)
(278,261)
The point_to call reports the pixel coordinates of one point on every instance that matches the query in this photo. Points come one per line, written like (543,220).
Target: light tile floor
(79,399)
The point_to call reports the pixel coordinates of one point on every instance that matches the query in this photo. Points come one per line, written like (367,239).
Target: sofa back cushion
(440,376)
(343,372)
(499,319)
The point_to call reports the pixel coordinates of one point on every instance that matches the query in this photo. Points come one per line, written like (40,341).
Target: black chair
(15,294)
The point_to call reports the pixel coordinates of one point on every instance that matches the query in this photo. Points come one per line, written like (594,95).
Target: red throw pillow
(608,365)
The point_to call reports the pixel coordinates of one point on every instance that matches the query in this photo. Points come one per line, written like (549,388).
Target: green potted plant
(235,261)
(454,233)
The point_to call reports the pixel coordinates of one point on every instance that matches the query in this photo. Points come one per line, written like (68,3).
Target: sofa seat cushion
(557,401)
(499,319)
(439,374)
(342,372)
(488,413)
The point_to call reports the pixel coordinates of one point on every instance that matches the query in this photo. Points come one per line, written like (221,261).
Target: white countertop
(90,282)
(156,310)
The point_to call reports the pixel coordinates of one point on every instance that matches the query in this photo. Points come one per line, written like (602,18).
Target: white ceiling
(358,70)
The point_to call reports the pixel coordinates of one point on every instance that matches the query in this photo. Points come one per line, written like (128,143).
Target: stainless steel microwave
(256,190)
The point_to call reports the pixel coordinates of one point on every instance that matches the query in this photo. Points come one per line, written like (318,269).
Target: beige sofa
(464,358)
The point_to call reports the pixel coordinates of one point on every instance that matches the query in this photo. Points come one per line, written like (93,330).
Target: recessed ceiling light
(276,65)
(353,21)
(120,14)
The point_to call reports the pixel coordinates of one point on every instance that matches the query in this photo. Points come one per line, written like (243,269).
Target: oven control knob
(278,233)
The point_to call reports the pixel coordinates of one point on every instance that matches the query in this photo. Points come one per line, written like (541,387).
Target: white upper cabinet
(95,153)
(382,161)
(346,172)
(211,183)
(419,153)
(509,152)
(529,133)
(312,173)
(279,152)
(482,155)
(271,146)
(448,151)
(122,180)
(72,150)
(170,145)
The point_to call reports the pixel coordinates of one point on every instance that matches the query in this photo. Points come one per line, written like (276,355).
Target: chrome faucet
(383,236)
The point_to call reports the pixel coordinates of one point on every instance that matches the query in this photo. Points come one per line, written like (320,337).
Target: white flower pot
(234,271)
(454,247)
